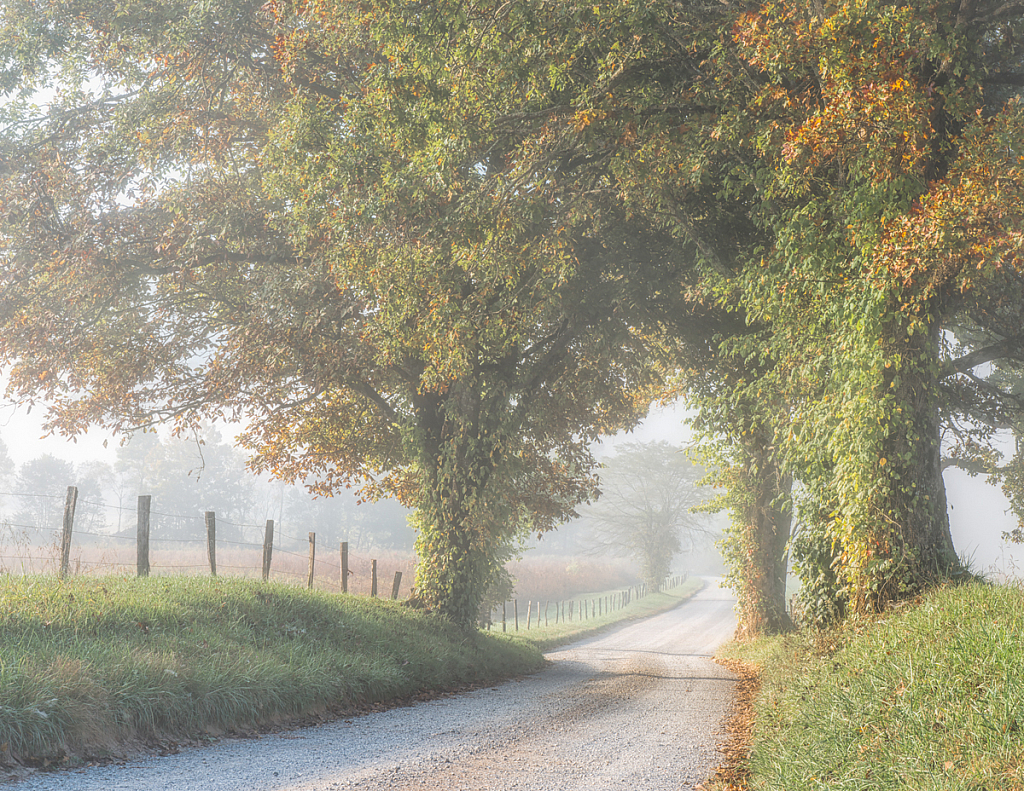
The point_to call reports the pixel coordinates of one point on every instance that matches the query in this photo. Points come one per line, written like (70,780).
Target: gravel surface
(636,708)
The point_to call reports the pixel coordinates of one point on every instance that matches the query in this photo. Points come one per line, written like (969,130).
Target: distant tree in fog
(382,524)
(6,472)
(41,486)
(94,480)
(188,477)
(648,491)
(6,464)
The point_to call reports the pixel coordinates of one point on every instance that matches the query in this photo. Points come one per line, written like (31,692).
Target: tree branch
(1006,348)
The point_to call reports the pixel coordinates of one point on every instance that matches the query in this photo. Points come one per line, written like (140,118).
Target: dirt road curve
(636,708)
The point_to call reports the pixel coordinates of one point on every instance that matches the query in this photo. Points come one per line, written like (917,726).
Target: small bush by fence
(71,550)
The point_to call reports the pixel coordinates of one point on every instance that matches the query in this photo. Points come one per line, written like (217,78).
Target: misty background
(185,477)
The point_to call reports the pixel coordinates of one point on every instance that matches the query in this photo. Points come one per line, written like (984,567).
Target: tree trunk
(452,572)
(454,544)
(912,524)
(758,537)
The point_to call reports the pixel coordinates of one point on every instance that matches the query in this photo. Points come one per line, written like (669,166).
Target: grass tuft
(930,696)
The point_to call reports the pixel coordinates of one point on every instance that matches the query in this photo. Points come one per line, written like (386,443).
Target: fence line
(581,608)
(222,554)
(250,559)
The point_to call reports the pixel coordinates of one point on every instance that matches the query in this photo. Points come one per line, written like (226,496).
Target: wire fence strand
(32,547)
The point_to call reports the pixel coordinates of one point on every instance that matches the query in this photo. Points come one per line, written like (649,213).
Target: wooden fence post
(211,541)
(69,525)
(312,558)
(344,566)
(396,586)
(503,628)
(373,578)
(268,548)
(545,613)
(515,611)
(142,536)
(529,613)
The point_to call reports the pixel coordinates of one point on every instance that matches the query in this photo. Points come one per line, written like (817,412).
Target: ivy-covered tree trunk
(467,512)
(912,546)
(454,564)
(756,543)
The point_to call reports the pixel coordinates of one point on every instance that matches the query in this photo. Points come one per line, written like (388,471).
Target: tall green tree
(285,214)
(432,249)
(848,175)
(888,134)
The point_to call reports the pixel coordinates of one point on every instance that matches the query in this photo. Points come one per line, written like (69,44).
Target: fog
(978,512)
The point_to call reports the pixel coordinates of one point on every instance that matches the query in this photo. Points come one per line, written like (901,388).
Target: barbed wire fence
(164,542)
(197,545)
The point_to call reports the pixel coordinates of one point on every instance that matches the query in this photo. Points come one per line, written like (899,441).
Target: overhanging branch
(1010,348)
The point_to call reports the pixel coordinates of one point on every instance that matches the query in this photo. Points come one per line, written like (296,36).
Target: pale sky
(22,432)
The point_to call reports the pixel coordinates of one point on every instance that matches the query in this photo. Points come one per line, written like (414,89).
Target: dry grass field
(539,577)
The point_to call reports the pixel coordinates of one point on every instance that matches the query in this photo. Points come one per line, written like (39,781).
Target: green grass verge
(89,665)
(930,696)
(553,635)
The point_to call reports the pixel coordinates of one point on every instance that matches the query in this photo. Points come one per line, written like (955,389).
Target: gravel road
(636,708)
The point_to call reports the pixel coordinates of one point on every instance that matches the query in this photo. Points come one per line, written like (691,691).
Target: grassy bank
(553,635)
(90,665)
(928,697)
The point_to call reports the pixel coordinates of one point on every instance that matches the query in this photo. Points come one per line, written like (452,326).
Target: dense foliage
(244,211)
(433,249)
(888,151)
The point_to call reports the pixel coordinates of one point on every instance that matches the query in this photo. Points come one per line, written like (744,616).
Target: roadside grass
(91,665)
(549,637)
(929,696)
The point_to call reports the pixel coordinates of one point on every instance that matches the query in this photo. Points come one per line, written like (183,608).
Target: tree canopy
(889,147)
(433,249)
(218,214)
